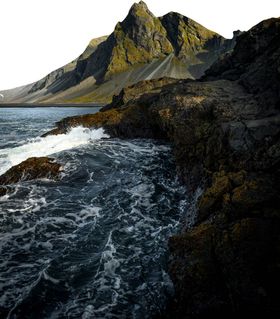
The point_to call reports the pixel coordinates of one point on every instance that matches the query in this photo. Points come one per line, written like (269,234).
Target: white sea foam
(49,145)
(112,232)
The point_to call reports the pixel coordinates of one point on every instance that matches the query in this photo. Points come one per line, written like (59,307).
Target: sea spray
(37,147)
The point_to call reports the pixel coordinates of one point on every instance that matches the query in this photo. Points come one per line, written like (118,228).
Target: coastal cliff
(225,132)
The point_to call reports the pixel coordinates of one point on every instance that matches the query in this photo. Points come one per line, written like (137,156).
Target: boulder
(32,168)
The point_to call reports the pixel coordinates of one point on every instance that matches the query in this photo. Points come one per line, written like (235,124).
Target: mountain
(141,47)
(255,63)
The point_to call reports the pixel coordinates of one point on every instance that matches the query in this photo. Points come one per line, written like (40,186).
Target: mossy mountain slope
(141,47)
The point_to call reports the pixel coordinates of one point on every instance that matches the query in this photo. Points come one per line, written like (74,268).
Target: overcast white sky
(38,36)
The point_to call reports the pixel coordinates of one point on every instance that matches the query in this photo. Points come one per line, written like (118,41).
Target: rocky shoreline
(225,130)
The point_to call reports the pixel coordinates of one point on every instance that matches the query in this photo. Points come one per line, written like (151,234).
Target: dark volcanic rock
(135,91)
(32,168)
(116,119)
(226,136)
(3,191)
(226,271)
(255,63)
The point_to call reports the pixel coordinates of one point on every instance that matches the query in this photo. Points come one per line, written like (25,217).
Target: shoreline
(22,105)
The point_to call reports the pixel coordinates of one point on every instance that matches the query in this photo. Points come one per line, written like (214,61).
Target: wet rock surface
(225,130)
(32,168)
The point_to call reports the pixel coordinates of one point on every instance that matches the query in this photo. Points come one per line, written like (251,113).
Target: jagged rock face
(140,38)
(135,91)
(194,44)
(255,62)
(187,36)
(141,47)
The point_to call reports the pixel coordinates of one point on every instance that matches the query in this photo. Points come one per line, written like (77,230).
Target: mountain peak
(140,10)
(139,6)
(138,39)
(138,15)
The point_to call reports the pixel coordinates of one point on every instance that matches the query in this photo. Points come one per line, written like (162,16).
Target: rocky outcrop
(32,168)
(225,130)
(115,115)
(255,63)
(141,47)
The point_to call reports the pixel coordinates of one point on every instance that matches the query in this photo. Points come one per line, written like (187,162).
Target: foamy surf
(49,145)
(94,243)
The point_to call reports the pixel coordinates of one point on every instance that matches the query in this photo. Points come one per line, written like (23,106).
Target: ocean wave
(37,147)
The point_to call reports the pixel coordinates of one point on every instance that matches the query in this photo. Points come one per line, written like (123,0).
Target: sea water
(94,243)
